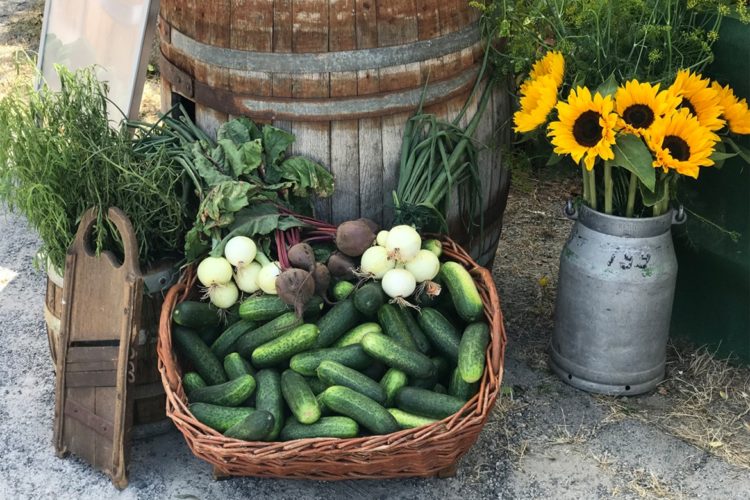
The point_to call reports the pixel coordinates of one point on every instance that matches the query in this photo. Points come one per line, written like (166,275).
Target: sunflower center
(587,130)
(687,105)
(678,148)
(638,116)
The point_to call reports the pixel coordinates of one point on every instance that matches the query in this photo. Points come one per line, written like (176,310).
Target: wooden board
(102,306)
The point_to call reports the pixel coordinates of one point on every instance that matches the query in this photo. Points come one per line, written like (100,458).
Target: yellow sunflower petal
(539,98)
(552,64)
(640,104)
(697,96)
(735,111)
(679,142)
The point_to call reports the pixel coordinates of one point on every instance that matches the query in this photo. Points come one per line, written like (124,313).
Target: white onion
(424,266)
(375,262)
(224,296)
(398,283)
(403,243)
(240,251)
(214,271)
(382,238)
(267,277)
(246,277)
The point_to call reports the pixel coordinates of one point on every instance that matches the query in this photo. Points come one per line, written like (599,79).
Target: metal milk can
(614,301)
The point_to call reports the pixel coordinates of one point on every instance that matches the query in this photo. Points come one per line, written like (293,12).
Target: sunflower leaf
(720,155)
(633,155)
(651,198)
(740,150)
(608,86)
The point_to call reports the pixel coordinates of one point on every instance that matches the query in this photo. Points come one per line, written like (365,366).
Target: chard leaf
(275,144)
(307,177)
(236,131)
(207,167)
(243,159)
(221,203)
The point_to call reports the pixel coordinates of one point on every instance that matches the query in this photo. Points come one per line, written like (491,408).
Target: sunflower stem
(632,187)
(584,173)
(592,188)
(608,189)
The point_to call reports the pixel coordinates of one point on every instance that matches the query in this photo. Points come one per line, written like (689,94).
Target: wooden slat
(105,410)
(428,15)
(212,22)
(82,414)
(92,366)
(252,30)
(313,141)
(77,436)
(310,26)
(371,169)
(282,43)
(211,28)
(366,20)
(165,95)
(397,23)
(91,379)
(92,353)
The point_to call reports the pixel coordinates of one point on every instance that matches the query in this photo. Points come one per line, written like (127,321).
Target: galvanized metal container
(614,302)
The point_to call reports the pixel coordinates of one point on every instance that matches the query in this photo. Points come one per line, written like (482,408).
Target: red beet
(341,266)
(302,256)
(295,287)
(322,277)
(371,224)
(354,237)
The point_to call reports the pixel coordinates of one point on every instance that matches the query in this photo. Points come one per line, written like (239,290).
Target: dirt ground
(688,439)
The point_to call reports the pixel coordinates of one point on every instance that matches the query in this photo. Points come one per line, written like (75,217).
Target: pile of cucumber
(362,366)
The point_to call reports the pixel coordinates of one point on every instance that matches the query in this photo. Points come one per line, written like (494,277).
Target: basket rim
(208,444)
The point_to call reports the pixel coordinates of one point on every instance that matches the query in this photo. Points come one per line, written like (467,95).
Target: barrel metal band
(326,62)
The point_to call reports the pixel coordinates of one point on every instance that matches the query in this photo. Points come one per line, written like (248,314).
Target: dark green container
(712,301)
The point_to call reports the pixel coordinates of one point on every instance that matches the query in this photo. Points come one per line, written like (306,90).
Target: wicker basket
(432,450)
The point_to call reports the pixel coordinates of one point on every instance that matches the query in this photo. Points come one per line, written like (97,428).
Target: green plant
(60,155)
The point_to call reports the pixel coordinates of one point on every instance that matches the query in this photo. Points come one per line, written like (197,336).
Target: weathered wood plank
(211,22)
(165,96)
(397,23)
(208,119)
(392,136)
(282,43)
(310,26)
(371,169)
(428,17)
(252,30)
(314,141)
(105,409)
(366,20)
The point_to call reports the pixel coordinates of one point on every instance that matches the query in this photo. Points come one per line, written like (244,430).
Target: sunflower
(552,64)
(538,99)
(639,104)
(585,128)
(735,111)
(699,98)
(679,142)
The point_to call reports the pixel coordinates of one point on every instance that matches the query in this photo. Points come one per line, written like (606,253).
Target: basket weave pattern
(426,451)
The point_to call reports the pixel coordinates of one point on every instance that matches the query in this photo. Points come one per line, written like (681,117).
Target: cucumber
(441,333)
(472,351)
(268,397)
(268,307)
(342,290)
(208,335)
(284,347)
(334,373)
(196,315)
(368,299)
(299,397)
(232,393)
(463,290)
(427,403)
(420,339)
(197,352)
(236,366)
(353,356)
(440,389)
(443,368)
(330,427)
(324,410)
(223,345)
(255,427)
(316,384)
(192,381)
(246,344)
(409,420)
(395,327)
(393,354)
(365,411)
(219,418)
(375,371)
(340,319)
(392,382)
(354,335)
(424,382)
(461,389)
(434,246)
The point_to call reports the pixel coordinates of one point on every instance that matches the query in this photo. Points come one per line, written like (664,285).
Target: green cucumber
(333,373)
(342,290)
(395,327)
(424,382)
(354,335)
(236,366)
(393,354)
(367,412)
(326,427)
(268,397)
(268,307)
(223,345)
(340,319)
(232,393)
(368,299)
(420,339)
(219,418)
(316,384)
(472,351)
(463,290)
(246,344)
(284,347)
(196,315)
(440,389)
(189,344)
(255,427)
(192,381)
(409,420)
(427,403)
(393,381)
(353,356)
(375,371)
(461,389)
(441,333)
(443,369)
(209,334)
(324,410)
(299,397)
(434,246)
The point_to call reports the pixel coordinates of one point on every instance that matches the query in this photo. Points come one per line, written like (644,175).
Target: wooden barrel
(343,76)
(149,399)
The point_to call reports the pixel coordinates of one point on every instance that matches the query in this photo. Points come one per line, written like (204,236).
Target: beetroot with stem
(322,277)
(295,287)
(371,224)
(341,266)
(354,237)
(301,256)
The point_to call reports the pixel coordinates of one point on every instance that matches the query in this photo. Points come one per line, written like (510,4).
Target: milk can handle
(570,210)
(679,216)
